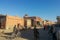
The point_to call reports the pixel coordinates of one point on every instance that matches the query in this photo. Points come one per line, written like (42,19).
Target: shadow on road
(29,34)
(26,34)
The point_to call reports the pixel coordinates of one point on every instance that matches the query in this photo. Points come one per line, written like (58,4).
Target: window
(39,23)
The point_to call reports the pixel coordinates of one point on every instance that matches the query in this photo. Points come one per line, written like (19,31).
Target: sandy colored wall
(13,20)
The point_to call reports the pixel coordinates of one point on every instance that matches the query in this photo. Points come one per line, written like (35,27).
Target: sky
(45,9)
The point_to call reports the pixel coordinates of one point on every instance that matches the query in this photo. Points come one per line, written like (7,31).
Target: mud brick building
(48,22)
(8,22)
(31,21)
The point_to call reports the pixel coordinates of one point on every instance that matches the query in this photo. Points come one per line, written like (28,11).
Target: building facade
(58,19)
(47,22)
(32,21)
(8,22)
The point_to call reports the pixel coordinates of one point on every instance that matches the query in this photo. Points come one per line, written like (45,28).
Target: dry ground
(28,35)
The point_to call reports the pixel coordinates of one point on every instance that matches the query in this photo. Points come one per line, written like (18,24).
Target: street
(29,35)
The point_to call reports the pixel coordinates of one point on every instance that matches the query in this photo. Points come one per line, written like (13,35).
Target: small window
(39,23)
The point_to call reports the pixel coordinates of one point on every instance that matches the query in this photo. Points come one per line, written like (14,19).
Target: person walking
(52,31)
(54,36)
(36,33)
(45,27)
(14,31)
(18,30)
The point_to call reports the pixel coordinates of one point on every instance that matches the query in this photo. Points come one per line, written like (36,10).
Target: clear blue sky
(46,9)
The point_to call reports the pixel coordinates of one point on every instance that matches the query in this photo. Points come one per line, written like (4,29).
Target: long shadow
(25,34)
(28,34)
